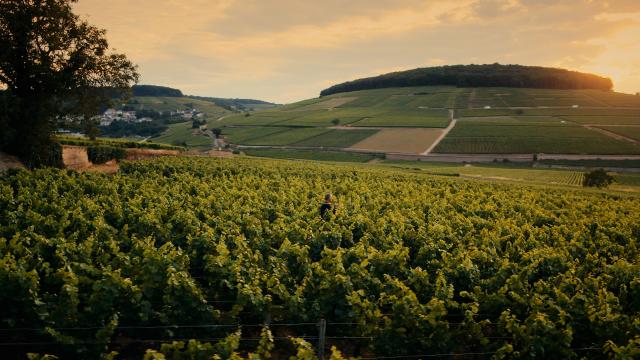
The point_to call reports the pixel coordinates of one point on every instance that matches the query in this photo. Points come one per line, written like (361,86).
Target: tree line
(490,75)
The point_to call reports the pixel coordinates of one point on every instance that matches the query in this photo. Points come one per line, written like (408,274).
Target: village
(111,115)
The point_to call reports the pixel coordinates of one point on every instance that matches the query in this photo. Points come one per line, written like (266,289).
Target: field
(409,264)
(522,136)
(632,132)
(332,156)
(182,134)
(491,120)
(400,140)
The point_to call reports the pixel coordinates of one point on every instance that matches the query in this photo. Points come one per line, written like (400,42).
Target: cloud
(286,50)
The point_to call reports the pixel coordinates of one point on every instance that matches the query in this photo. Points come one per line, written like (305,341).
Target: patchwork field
(490,120)
(400,140)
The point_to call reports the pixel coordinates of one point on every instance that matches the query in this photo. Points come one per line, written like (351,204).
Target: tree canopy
(154,90)
(491,75)
(52,64)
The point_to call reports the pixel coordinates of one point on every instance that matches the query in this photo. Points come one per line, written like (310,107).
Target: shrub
(598,178)
(101,154)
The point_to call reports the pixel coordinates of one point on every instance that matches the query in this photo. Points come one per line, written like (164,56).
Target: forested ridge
(410,264)
(490,75)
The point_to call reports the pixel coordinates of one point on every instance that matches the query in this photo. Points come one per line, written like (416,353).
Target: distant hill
(154,90)
(491,75)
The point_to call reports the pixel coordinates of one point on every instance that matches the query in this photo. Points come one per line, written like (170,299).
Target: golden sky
(288,50)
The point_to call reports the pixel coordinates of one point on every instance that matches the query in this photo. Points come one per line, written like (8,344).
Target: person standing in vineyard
(327,206)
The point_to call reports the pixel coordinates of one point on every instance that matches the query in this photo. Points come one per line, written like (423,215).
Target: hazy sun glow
(287,50)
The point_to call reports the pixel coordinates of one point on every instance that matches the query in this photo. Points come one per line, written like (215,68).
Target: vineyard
(410,265)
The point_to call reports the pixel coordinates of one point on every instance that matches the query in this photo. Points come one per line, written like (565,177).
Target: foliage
(124,129)
(414,264)
(598,178)
(100,154)
(154,90)
(79,141)
(53,64)
(491,75)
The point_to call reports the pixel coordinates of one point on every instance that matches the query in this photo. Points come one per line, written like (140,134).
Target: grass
(313,155)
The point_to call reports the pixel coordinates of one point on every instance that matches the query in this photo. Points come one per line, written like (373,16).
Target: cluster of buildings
(188,114)
(111,115)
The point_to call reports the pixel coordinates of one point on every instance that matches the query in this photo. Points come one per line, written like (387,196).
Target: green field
(245,134)
(519,120)
(518,136)
(337,138)
(312,155)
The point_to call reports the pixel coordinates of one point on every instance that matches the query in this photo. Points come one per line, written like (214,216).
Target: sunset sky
(289,50)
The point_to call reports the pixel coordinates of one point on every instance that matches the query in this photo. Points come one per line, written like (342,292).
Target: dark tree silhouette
(490,75)
(598,178)
(52,64)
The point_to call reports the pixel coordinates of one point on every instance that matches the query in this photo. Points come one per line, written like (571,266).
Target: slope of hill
(450,120)
(491,75)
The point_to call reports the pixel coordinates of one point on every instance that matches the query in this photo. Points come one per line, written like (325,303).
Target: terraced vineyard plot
(337,138)
(256,119)
(429,118)
(604,120)
(311,155)
(325,118)
(242,135)
(287,137)
(470,136)
(511,172)
(327,104)
(632,132)
(182,134)
(559,112)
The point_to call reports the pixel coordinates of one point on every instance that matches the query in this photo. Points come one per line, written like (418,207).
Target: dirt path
(611,134)
(452,124)
(472,98)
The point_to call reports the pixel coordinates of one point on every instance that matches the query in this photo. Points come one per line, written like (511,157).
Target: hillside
(491,75)
(434,121)
(171,117)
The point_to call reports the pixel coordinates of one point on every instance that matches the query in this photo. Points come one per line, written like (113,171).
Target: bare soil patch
(406,140)
(9,162)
